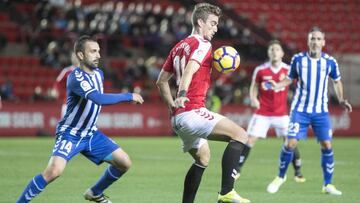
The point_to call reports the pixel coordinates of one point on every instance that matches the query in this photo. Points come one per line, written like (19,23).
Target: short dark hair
(274,41)
(202,11)
(317,29)
(80,42)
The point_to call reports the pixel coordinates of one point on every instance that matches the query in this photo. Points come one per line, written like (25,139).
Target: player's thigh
(201,155)
(55,168)
(226,130)
(298,125)
(100,148)
(280,124)
(321,125)
(258,126)
(193,127)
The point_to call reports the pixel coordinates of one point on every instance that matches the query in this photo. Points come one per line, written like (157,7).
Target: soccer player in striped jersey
(312,70)
(271,106)
(190,62)
(77,132)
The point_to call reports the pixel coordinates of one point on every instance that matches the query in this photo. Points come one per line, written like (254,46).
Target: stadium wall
(40,119)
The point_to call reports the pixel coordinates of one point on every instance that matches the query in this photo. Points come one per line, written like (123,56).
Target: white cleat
(274,186)
(331,190)
(89,195)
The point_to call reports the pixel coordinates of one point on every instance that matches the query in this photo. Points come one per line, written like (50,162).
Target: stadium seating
(290,20)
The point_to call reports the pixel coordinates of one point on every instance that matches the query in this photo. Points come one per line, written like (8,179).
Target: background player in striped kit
(312,70)
(271,105)
(77,132)
(190,63)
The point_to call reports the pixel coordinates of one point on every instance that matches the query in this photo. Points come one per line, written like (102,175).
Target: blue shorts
(95,147)
(300,121)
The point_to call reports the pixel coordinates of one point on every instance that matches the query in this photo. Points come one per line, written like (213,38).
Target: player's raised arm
(185,81)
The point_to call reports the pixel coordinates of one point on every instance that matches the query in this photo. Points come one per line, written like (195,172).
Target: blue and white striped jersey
(81,114)
(312,81)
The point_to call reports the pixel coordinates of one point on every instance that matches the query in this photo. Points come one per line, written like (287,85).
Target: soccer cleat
(331,189)
(89,195)
(274,186)
(299,179)
(232,197)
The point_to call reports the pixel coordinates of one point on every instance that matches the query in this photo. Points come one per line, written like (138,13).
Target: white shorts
(193,127)
(259,125)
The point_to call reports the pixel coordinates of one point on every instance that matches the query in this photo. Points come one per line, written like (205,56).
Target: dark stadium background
(36,40)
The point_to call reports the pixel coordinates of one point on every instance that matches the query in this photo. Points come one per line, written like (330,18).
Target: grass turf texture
(159,168)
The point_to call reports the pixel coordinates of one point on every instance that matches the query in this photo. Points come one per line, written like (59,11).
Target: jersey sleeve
(168,65)
(79,84)
(293,74)
(334,70)
(200,53)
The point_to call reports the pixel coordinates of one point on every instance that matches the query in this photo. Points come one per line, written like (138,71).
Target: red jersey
(272,103)
(196,48)
(60,83)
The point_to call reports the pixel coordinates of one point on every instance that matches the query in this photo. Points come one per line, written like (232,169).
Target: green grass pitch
(159,167)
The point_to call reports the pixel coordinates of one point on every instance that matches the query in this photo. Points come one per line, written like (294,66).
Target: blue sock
(286,156)
(327,164)
(35,186)
(110,175)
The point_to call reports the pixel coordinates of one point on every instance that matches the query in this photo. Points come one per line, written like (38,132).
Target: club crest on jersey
(79,75)
(266,85)
(85,85)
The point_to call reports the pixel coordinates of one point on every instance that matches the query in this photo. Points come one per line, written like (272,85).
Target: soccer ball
(226,59)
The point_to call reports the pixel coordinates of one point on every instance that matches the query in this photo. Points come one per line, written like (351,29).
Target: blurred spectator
(6,90)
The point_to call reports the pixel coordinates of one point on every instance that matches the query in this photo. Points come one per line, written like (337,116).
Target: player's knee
(52,173)
(291,143)
(124,164)
(240,135)
(203,160)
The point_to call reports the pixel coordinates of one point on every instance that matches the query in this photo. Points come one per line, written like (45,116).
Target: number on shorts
(294,127)
(66,145)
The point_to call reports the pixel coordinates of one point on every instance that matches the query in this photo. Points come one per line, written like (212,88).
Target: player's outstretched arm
(338,87)
(108,99)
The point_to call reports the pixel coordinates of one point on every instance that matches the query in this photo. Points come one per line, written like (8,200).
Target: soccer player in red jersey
(190,63)
(59,86)
(271,105)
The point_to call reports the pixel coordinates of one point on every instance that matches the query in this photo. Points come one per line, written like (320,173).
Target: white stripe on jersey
(320,95)
(313,78)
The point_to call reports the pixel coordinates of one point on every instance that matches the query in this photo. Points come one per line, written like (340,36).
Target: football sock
(244,155)
(286,156)
(327,164)
(192,182)
(230,164)
(35,186)
(296,161)
(110,175)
